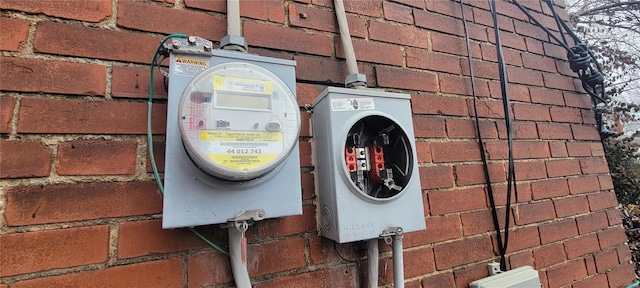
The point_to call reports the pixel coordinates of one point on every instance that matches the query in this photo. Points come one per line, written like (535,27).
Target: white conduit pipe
(233,17)
(398,265)
(238,266)
(345,36)
(372,259)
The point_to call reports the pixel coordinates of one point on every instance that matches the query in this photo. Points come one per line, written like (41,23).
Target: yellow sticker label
(192,61)
(242,84)
(241,149)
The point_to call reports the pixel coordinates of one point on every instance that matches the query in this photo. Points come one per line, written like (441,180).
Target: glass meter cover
(238,121)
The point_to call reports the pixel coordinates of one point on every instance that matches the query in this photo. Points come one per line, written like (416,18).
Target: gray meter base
(346,213)
(194,198)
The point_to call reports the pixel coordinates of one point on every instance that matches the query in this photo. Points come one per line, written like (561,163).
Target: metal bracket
(191,45)
(246,217)
(390,232)
(355,80)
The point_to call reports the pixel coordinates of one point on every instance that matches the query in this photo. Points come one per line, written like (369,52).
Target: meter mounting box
(366,169)
(233,126)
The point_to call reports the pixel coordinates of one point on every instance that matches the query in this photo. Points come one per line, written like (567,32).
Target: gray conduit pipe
(398,265)
(239,269)
(345,36)
(233,17)
(372,259)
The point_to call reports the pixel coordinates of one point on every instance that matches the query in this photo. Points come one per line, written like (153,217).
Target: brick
(305,153)
(594,166)
(7,105)
(554,51)
(452,45)
(611,237)
(438,105)
(140,238)
(522,238)
(581,132)
(132,82)
(466,129)
(24,159)
(531,112)
(558,149)
(465,276)
(208,269)
(283,255)
(484,17)
(15,40)
(571,206)
(511,57)
(423,149)
(269,10)
(520,259)
(436,177)
(535,46)
(606,183)
(306,93)
(561,114)
(438,229)
(462,86)
(292,225)
(481,221)
(524,193)
(530,170)
(443,202)
(519,130)
(588,117)
(53,77)
(158,155)
(581,246)
(524,76)
(324,20)
(405,79)
(323,250)
(344,275)
(613,217)
(448,8)
(454,151)
(187,22)
(398,13)
(621,276)
(96,157)
(161,273)
(538,62)
(418,262)
(448,255)
(484,69)
(43,250)
(579,149)
(470,174)
(624,254)
(596,281)
(549,189)
(597,149)
(534,212)
(403,35)
(583,184)
(90,11)
(370,51)
(508,39)
(280,38)
(556,231)
(558,81)
(72,202)
(325,70)
(559,168)
(487,109)
(429,127)
(546,96)
(602,200)
(549,255)
(566,273)
(449,25)
(577,100)
(509,9)
(554,131)
(439,280)
(308,188)
(425,59)
(532,31)
(62,39)
(606,260)
(84,116)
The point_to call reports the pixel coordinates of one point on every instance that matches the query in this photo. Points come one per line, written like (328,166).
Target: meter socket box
(366,169)
(233,126)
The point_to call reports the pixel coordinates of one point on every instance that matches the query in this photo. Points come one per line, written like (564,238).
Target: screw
(192,40)
(207,46)
(176,43)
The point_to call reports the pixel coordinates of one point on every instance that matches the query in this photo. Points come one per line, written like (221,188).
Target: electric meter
(238,121)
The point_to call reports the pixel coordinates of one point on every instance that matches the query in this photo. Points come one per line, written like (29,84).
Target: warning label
(189,66)
(242,85)
(350,104)
(242,149)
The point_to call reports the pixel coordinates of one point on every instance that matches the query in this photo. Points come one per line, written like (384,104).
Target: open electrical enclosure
(365,164)
(232,136)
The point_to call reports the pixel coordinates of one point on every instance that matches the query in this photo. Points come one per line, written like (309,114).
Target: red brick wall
(80,206)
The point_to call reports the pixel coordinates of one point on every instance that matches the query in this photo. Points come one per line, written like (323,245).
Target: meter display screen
(242,101)
(238,121)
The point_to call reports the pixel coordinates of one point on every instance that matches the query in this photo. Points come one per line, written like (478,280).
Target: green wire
(152,158)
